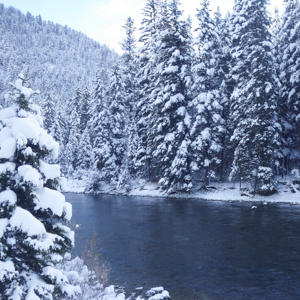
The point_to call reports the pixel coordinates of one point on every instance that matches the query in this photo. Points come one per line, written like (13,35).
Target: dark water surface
(195,249)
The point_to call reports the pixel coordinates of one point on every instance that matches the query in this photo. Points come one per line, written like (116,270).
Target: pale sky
(102,20)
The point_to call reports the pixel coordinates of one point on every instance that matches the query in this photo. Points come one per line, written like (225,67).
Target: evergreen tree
(49,112)
(117,123)
(85,151)
(256,136)
(286,45)
(146,85)
(129,71)
(171,120)
(85,110)
(71,148)
(33,238)
(96,106)
(208,128)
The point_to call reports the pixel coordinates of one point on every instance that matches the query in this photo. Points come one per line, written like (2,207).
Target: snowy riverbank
(287,192)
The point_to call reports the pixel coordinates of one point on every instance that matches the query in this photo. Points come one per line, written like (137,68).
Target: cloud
(104,22)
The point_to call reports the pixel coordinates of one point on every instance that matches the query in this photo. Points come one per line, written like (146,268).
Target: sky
(102,20)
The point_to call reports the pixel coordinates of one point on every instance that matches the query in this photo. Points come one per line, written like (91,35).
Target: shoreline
(225,192)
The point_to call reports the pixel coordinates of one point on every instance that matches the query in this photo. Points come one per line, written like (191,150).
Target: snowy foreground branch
(79,275)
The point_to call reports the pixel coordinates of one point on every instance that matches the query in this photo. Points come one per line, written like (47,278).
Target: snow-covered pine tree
(33,237)
(71,148)
(117,111)
(85,154)
(287,45)
(49,112)
(171,120)
(146,85)
(96,105)
(85,109)
(223,25)
(108,129)
(294,94)
(209,127)
(104,158)
(256,136)
(129,71)
(58,130)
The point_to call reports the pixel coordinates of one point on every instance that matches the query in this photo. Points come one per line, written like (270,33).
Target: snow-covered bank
(287,192)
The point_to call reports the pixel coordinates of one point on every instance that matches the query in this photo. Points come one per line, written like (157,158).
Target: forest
(180,107)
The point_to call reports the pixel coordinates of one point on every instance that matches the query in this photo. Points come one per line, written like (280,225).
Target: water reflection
(195,249)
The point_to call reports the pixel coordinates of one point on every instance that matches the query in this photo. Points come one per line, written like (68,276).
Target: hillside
(58,58)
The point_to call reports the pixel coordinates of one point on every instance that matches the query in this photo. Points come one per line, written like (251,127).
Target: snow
(19,130)
(28,152)
(55,274)
(6,266)
(49,171)
(46,141)
(68,210)
(171,69)
(30,175)
(8,196)
(8,148)
(5,133)
(161,296)
(50,199)
(8,113)
(27,92)
(227,191)
(26,222)
(29,127)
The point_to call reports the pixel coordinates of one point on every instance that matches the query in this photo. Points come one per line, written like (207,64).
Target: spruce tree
(208,127)
(146,85)
(171,121)
(33,237)
(117,111)
(129,70)
(287,53)
(49,112)
(85,110)
(85,153)
(256,137)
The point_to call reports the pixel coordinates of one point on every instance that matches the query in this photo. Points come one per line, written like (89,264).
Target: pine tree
(117,130)
(71,148)
(256,136)
(146,85)
(85,152)
(171,120)
(96,106)
(226,88)
(129,70)
(33,238)
(286,45)
(208,128)
(108,133)
(49,112)
(85,110)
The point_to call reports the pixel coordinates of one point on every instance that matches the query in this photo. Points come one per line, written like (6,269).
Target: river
(195,249)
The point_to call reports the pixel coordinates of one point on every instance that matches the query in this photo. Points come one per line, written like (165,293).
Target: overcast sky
(102,20)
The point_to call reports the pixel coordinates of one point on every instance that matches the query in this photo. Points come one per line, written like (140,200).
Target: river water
(195,249)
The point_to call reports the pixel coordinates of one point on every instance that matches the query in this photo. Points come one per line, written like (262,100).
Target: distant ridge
(59,59)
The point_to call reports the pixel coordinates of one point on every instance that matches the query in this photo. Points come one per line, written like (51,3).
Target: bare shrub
(88,272)
(99,270)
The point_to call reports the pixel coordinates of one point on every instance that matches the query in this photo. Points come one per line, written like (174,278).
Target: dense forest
(179,107)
